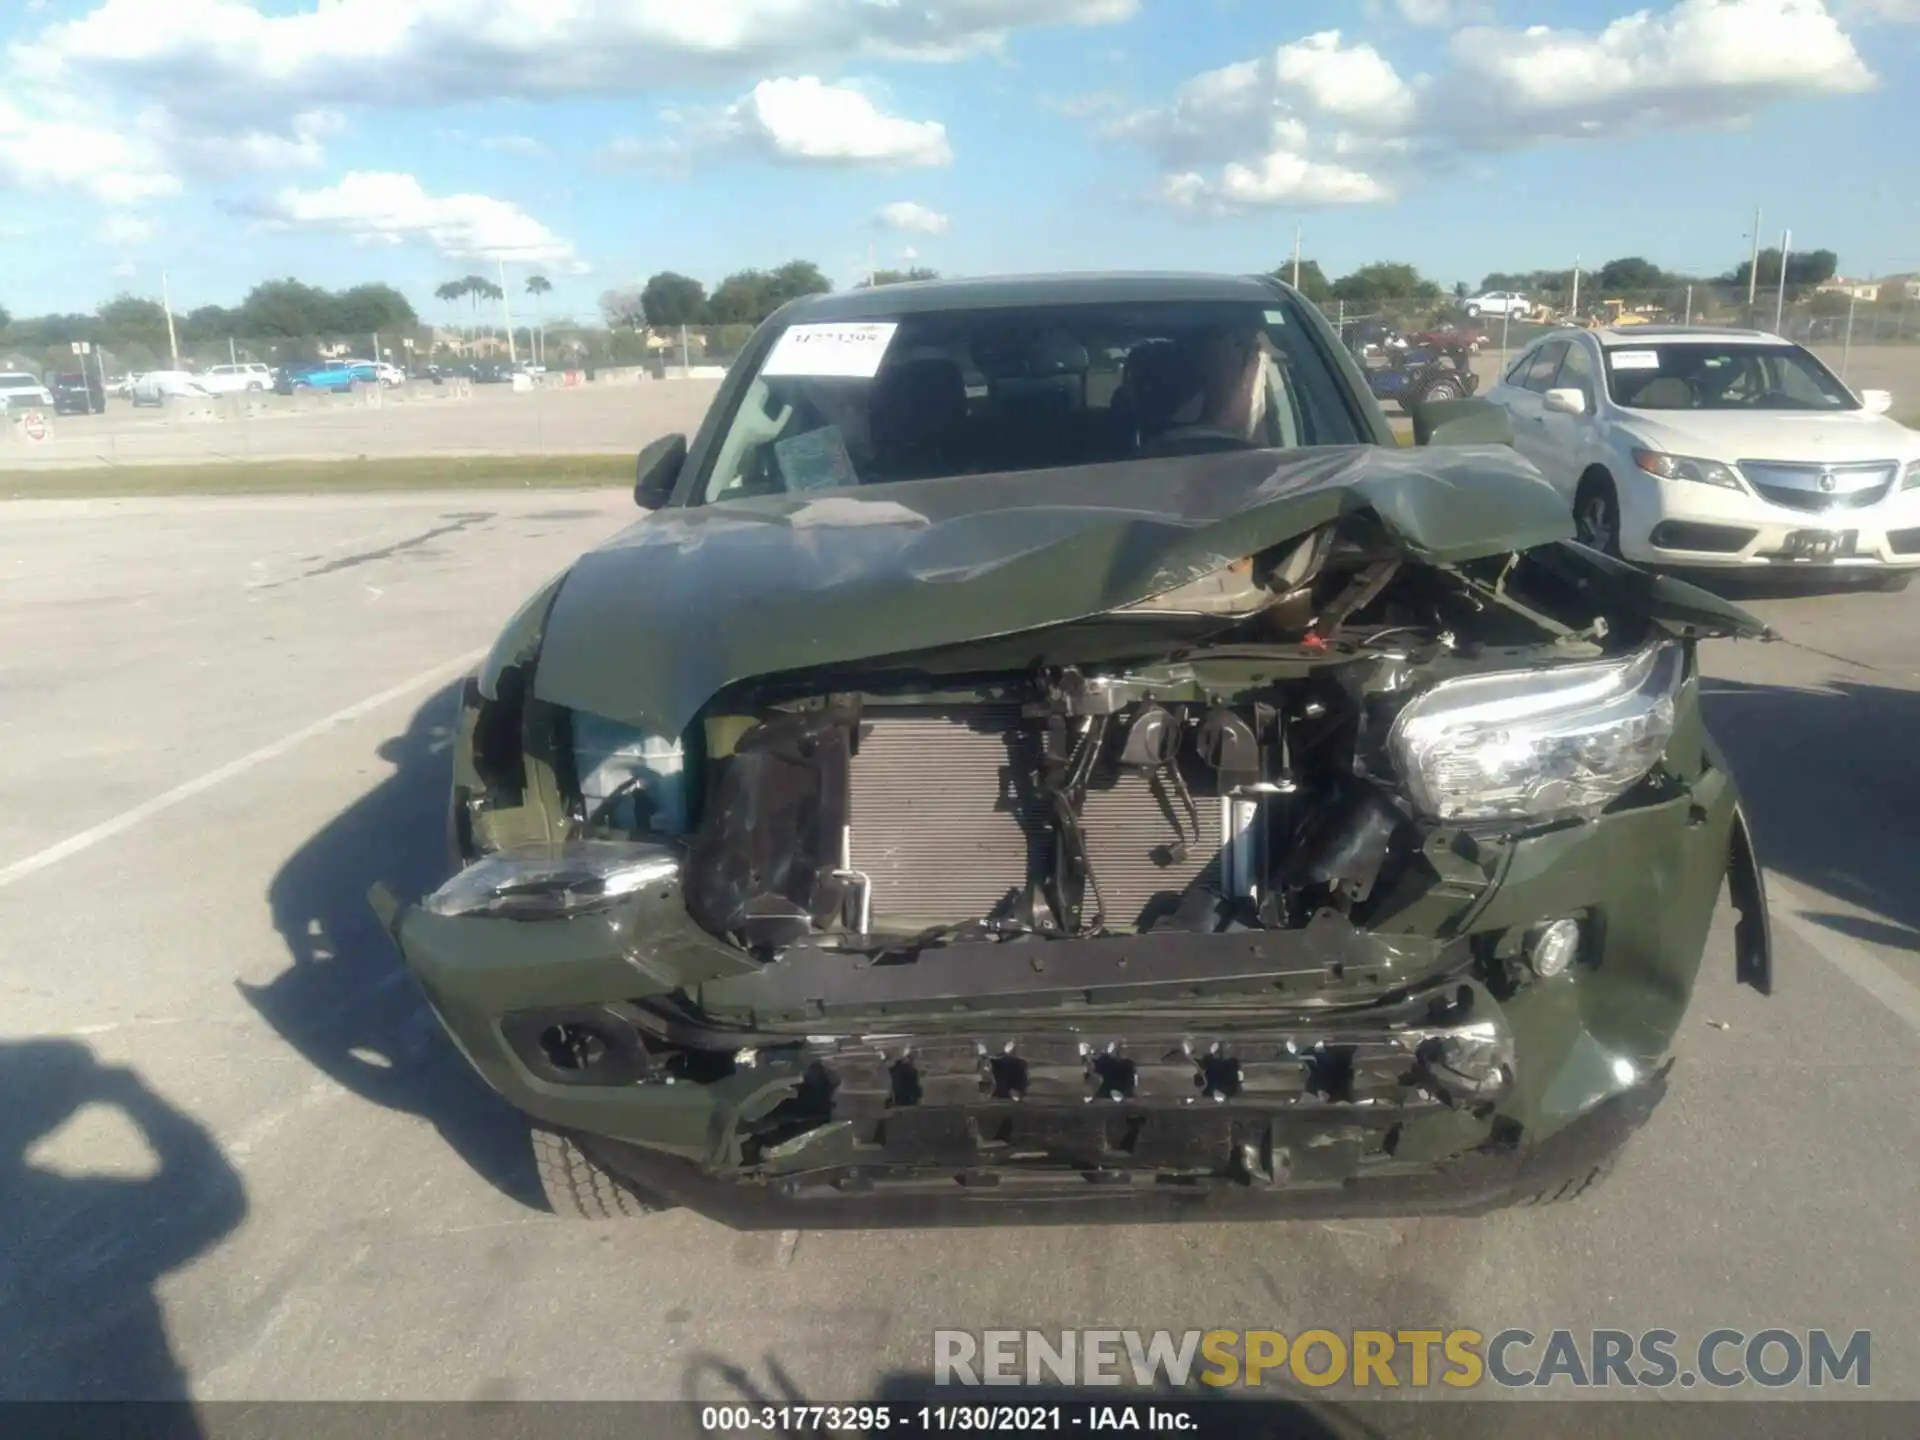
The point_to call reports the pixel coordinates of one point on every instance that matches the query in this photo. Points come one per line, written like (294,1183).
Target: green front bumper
(1645,881)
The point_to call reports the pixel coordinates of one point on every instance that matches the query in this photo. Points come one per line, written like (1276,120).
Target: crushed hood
(647,628)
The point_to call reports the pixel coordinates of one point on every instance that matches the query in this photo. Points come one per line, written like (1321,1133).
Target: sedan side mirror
(1461,422)
(658,471)
(1877,402)
(1564,401)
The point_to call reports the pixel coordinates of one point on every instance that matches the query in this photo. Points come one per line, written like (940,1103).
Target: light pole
(1296,257)
(1780,304)
(1753,266)
(506,309)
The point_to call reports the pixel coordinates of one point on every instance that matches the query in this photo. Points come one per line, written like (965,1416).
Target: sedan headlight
(1686,467)
(1537,745)
(1911,480)
(552,882)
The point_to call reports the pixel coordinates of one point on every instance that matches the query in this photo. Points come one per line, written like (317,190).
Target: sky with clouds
(597,141)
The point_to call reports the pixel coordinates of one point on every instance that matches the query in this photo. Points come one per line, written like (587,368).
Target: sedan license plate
(1820,544)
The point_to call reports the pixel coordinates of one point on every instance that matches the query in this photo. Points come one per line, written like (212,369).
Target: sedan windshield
(1695,376)
(18,382)
(993,390)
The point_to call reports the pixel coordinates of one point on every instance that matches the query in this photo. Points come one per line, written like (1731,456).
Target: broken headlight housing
(1538,744)
(553,882)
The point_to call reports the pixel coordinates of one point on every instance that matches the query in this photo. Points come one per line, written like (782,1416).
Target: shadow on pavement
(80,1254)
(345,1002)
(1831,778)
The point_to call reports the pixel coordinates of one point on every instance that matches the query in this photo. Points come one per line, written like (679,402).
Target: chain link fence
(565,388)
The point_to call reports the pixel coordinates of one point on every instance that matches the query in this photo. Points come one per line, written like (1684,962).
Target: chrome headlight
(552,882)
(1911,480)
(1538,744)
(1686,467)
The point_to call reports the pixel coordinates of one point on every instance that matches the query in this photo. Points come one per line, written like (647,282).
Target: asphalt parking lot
(416,419)
(238,1158)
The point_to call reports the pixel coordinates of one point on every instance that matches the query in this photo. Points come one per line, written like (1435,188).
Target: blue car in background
(338,376)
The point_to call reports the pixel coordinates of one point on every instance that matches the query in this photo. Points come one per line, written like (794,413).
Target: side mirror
(658,471)
(1564,401)
(1877,402)
(1461,422)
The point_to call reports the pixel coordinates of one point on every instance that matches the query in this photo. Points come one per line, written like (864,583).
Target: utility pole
(166,304)
(1573,309)
(870,269)
(1687,319)
(1846,352)
(1753,266)
(1780,304)
(1296,257)
(506,309)
(233,355)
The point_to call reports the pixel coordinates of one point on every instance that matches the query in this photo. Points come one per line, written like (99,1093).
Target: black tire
(575,1186)
(1572,1188)
(1473,312)
(1893,584)
(1596,515)
(1443,387)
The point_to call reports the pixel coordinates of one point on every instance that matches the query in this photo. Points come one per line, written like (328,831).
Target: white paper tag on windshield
(1636,359)
(843,351)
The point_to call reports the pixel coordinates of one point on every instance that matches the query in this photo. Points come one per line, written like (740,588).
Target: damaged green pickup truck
(1048,754)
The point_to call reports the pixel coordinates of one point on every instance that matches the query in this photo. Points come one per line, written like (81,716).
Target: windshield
(1698,376)
(18,382)
(984,391)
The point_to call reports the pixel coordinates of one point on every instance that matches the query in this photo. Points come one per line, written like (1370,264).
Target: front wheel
(1596,516)
(1473,312)
(576,1186)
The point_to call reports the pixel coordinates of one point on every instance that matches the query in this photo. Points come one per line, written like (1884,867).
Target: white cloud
(384,207)
(524,145)
(906,215)
(126,230)
(48,148)
(1324,122)
(1703,62)
(227,57)
(1291,128)
(1431,14)
(800,120)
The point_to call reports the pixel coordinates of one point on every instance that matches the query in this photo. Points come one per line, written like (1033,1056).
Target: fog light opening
(572,1047)
(1553,948)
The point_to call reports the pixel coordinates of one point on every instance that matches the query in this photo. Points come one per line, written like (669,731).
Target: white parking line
(200,784)
(1790,906)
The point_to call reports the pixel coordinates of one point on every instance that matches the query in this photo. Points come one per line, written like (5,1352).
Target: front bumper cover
(764,1133)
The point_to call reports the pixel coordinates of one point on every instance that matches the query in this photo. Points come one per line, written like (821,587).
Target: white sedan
(154,387)
(1681,447)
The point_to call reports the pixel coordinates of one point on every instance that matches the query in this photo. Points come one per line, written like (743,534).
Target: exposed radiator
(946,822)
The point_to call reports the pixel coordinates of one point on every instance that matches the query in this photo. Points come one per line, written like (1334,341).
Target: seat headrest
(916,402)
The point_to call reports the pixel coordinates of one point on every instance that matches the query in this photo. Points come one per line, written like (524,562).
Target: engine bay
(1209,761)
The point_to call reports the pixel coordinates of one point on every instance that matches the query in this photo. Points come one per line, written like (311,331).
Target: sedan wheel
(1596,518)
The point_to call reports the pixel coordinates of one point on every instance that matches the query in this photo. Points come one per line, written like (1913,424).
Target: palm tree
(537,286)
(452,292)
(478,288)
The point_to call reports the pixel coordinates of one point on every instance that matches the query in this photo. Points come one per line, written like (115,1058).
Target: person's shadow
(345,1001)
(80,1254)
